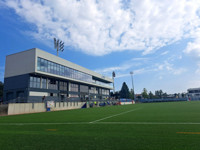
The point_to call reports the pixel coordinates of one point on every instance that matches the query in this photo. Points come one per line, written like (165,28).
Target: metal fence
(24,100)
(162,100)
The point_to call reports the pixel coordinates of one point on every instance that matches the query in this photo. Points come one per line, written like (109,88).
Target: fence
(162,100)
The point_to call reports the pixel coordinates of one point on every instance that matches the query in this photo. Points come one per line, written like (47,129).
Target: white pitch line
(106,123)
(152,123)
(115,115)
(45,123)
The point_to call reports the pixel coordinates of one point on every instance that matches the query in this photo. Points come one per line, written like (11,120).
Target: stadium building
(34,75)
(194,93)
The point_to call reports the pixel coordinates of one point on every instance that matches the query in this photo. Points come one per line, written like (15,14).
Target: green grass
(121,127)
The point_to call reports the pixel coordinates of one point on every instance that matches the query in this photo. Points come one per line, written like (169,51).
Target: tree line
(158,94)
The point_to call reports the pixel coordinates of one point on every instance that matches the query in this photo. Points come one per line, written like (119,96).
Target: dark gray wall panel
(16,82)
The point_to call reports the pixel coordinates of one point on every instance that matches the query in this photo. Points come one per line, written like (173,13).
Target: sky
(158,40)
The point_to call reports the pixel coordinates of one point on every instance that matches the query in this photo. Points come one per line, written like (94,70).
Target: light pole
(59,45)
(132,84)
(113,76)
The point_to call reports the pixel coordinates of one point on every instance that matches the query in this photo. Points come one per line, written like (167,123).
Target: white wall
(20,63)
(33,93)
(24,108)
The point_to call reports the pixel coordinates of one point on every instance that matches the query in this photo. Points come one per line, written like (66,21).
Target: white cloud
(169,67)
(165,53)
(198,68)
(179,71)
(135,72)
(140,59)
(115,68)
(101,27)
(193,48)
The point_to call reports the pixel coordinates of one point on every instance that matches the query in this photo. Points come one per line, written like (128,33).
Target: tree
(1,89)
(151,96)
(159,94)
(165,95)
(183,95)
(124,93)
(132,94)
(111,94)
(144,93)
(117,95)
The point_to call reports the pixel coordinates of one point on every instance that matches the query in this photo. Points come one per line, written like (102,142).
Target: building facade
(35,75)
(193,94)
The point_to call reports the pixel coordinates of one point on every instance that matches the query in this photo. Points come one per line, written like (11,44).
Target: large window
(52,84)
(35,82)
(54,68)
(44,83)
(63,86)
(84,88)
(105,92)
(73,87)
(93,90)
(101,83)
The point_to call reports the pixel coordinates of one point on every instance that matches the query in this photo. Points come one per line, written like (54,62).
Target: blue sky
(158,40)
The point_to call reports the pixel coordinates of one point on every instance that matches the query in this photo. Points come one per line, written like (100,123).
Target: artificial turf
(153,126)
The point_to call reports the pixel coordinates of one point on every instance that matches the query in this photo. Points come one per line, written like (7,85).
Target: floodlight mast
(132,84)
(59,45)
(113,76)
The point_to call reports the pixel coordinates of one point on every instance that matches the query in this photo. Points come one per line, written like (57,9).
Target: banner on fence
(50,104)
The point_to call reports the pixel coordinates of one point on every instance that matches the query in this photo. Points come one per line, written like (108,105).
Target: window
(73,87)
(92,90)
(34,82)
(54,68)
(38,64)
(52,84)
(84,88)
(105,92)
(63,86)
(44,83)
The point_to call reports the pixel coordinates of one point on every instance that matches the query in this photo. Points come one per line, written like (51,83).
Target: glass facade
(63,86)
(54,68)
(67,89)
(84,88)
(105,92)
(35,82)
(73,87)
(44,83)
(93,90)
(57,69)
(52,84)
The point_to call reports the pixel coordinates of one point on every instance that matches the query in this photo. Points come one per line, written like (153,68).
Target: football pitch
(152,126)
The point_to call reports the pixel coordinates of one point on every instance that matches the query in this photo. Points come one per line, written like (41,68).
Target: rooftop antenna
(59,45)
